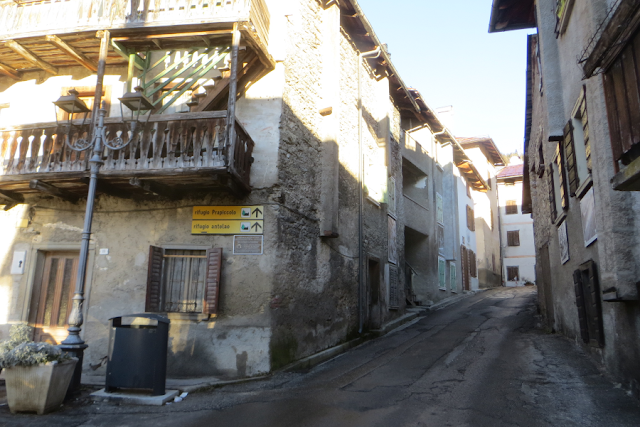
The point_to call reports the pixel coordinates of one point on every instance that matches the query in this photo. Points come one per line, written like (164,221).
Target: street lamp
(71,104)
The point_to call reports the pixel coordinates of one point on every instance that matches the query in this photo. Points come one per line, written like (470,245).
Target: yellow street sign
(228,212)
(227,227)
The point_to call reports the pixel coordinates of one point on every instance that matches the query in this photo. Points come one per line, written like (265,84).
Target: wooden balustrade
(23,17)
(165,145)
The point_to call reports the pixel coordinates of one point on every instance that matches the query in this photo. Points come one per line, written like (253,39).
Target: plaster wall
(487,232)
(617,246)
(467,237)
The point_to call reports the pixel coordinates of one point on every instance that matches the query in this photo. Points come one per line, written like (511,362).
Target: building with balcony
(581,170)
(257,205)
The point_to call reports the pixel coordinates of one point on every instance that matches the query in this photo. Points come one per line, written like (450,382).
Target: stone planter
(39,388)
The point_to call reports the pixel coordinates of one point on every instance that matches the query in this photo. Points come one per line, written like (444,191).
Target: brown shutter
(570,153)
(154,279)
(592,304)
(582,313)
(212,281)
(516,238)
(585,130)
(564,196)
(552,196)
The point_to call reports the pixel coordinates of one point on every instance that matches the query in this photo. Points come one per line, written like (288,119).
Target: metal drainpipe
(371,54)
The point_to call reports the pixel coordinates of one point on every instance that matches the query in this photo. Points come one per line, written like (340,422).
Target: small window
(183,280)
(513,274)
(511,208)
(471,220)
(563,12)
(513,238)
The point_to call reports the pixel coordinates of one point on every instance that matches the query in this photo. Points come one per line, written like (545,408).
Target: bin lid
(153,316)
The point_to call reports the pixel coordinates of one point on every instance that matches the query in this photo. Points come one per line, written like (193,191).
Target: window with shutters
(511,208)
(586,285)
(558,191)
(577,148)
(183,280)
(563,12)
(471,220)
(513,238)
(442,271)
(622,96)
(513,274)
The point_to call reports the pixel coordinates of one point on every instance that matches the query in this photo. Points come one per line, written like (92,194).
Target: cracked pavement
(479,362)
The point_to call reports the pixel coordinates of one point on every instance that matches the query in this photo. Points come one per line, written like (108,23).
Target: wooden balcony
(28,18)
(174,155)
(52,34)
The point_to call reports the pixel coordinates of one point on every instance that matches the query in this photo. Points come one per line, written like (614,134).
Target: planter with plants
(37,374)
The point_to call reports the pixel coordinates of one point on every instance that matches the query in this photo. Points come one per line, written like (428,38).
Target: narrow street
(480,362)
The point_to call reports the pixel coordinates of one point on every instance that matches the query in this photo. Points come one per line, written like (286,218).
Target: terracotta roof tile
(509,171)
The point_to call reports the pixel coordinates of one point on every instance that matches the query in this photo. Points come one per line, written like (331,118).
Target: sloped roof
(487,146)
(507,15)
(511,171)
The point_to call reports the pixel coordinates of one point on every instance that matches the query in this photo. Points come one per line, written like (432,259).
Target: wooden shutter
(564,196)
(471,223)
(570,153)
(587,291)
(212,281)
(513,238)
(154,279)
(472,264)
(511,208)
(552,197)
(585,129)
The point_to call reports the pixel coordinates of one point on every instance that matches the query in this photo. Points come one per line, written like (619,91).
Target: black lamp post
(72,105)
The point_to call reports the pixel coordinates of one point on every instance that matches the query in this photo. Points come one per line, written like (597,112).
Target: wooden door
(52,302)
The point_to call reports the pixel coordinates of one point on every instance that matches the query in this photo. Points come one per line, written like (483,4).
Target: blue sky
(443,49)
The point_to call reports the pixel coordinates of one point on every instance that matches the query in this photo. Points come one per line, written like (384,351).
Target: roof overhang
(488,147)
(507,15)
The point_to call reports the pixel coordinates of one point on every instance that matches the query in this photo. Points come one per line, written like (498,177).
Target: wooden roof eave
(352,11)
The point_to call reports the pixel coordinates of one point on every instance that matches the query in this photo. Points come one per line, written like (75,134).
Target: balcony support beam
(233,90)
(11,197)
(153,187)
(11,72)
(80,57)
(29,56)
(44,187)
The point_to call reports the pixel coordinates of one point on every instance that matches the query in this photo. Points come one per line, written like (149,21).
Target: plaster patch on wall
(140,259)
(250,345)
(62,226)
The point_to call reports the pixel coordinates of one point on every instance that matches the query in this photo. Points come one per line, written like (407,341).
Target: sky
(444,49)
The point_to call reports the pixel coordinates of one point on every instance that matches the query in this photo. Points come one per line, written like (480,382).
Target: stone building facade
(581,157)
(326,116)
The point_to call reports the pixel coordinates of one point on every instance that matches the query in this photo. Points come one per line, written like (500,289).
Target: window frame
(513,238)
(156,280)
(511,208)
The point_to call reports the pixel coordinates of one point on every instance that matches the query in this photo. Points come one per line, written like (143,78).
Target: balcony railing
(177,144)
(33,17)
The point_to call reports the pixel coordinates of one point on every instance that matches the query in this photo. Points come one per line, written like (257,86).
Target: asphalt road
(480,362)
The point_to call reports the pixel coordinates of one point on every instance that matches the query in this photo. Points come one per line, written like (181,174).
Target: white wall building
(518,249)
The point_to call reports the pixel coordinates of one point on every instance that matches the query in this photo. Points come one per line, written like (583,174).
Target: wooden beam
(83,59)
(11,72)
(198,34)
(9,206)
(153,187)
(11,196)
(44,187)
(29,56)
(124,52)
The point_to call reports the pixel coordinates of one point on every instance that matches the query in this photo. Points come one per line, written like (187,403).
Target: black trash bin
(138,352)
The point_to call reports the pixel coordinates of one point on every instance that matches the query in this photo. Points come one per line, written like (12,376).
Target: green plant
(19,350)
